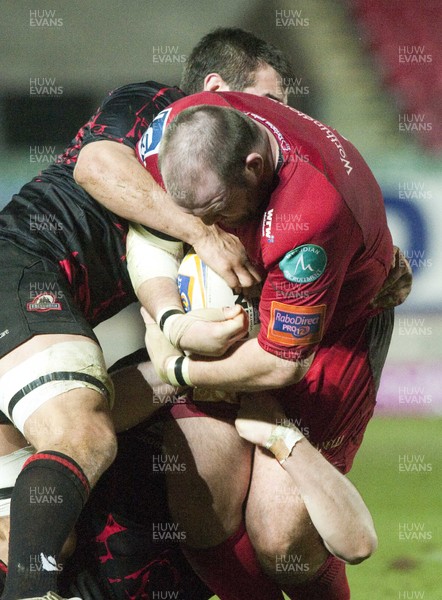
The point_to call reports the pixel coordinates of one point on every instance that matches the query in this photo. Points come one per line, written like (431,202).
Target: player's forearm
(153,264)
(110,173)
(156,294)
(247,367)
(333,503)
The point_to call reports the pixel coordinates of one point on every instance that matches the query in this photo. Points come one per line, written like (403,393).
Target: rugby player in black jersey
(71,276)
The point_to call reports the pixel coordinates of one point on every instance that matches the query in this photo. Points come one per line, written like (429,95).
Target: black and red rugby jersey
(55,218)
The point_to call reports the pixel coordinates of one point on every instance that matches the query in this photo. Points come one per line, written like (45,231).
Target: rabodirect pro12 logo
(296,325)
(304,264)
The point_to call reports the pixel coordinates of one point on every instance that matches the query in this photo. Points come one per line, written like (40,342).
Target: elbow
(91,162)
(82,171)
(363,549)
(288,372)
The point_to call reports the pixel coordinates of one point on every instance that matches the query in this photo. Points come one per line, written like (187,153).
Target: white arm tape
(177,369)
(149,256)
(282,441)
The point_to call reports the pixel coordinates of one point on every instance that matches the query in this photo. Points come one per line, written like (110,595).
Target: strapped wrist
(177,370)
(163,318)
(282,441)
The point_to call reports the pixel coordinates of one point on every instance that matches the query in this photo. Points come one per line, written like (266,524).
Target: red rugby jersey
(323,239)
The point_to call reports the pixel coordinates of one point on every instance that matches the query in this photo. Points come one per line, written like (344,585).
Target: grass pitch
(398,472)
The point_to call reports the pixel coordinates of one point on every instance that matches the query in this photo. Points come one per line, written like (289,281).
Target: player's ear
(255,164)
(215,83)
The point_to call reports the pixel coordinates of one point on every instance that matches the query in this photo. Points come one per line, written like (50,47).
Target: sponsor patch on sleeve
(150,142)
(296,325)
(304,264)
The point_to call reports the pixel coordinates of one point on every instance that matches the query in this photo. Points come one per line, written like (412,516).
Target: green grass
(409,567)
(396,497)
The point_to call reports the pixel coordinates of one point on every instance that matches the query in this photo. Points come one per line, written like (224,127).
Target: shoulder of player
(142,91)
(211,98)
(302,187)
(292,220)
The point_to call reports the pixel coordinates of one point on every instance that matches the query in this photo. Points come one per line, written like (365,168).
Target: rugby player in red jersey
(252,165)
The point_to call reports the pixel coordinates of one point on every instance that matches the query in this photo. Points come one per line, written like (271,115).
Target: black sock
(47,499)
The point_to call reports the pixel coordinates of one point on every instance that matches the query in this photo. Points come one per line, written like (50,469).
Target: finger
(237,279)
(234,329)
(242,319)
(247,274)
(243,276)
(230,312)
(254,271)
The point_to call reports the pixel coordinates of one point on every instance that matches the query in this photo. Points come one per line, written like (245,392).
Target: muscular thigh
(278,523)
(38,318)
(207,490)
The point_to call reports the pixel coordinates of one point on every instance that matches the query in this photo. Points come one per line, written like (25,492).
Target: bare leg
(74,439)
(206,498)
(287,544)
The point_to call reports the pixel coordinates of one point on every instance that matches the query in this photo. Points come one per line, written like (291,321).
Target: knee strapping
(46,374)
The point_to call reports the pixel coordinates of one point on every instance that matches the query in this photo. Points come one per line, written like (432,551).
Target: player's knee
(95,444)
(288,559)
(89,439)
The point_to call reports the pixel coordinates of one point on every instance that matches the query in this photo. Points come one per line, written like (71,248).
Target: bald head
(206,144)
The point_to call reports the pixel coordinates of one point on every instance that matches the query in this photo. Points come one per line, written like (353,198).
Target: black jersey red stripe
(55,218)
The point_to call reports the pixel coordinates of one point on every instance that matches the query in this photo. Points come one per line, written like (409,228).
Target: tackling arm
(247,367)
(244,367)
(111,174)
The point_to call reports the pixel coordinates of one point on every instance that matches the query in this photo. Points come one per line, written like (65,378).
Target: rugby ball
(201,287)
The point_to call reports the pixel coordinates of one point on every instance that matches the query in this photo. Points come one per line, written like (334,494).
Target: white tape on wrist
(166,317)
(282,441)
(177,371)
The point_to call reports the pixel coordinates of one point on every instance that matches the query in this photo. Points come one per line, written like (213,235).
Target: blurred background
(372,70)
